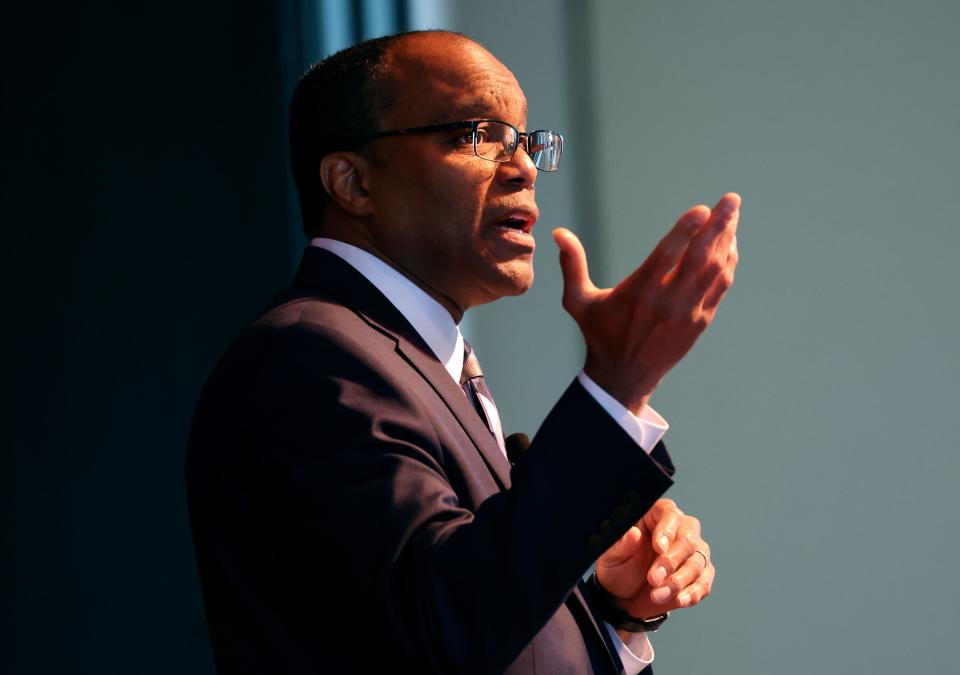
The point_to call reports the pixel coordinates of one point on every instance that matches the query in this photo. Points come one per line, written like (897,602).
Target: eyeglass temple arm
(432,127)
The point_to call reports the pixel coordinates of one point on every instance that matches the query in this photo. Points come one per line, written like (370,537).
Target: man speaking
(353,506)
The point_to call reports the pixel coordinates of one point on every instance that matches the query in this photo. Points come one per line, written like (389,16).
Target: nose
(519,171)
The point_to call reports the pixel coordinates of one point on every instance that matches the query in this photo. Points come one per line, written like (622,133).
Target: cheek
(437,202)
(458,202)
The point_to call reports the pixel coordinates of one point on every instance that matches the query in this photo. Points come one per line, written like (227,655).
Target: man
(352,505)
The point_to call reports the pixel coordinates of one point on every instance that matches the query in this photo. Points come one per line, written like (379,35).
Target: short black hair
(337,105)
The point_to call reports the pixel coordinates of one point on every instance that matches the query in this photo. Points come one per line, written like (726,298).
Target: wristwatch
(616,617)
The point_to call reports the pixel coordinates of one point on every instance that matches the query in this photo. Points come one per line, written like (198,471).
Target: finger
(721,214)
(699,589)
(733,250)
(577,286)
(721,249)
(623,549)
(665,530)
(686,574)
(663,519)
(727,236)
(702,248)
(616,567)
(684,545)
(668,252)
(713,268)
(723,282)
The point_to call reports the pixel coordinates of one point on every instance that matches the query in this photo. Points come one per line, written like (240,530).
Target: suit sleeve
(356,479)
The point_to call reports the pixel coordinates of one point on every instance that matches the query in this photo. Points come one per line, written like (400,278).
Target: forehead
(444,78)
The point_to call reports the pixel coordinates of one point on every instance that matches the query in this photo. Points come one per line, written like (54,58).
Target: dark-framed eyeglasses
(497,141)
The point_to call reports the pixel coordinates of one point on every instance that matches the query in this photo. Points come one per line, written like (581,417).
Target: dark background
(149,194)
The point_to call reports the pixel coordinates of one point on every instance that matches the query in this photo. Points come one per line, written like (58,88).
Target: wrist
(625,624)
(633,395)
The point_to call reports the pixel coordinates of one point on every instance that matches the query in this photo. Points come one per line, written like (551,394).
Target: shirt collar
(427,316)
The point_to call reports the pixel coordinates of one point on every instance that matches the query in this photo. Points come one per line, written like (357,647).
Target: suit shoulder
(310,321)
(308,311)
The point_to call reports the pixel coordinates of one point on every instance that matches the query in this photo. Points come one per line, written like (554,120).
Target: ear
(344,177)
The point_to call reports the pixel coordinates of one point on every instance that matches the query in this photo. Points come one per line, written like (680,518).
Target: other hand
(662,563)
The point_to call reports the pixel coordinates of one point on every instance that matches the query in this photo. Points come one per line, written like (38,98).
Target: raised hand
(636,332)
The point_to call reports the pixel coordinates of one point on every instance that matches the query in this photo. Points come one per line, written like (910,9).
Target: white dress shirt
(441,333)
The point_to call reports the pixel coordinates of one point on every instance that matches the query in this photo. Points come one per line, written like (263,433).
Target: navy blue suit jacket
(351,512)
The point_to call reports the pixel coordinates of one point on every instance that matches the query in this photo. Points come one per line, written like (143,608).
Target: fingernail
(683,598)
(665,542)
(661,595)
(659,574)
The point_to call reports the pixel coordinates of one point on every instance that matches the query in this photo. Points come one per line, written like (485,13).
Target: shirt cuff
(636,655)
(646,429)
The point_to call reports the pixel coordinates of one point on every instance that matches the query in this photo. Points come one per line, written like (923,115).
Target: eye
(464,139)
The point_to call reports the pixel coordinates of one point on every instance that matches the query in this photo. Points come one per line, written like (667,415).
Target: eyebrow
(478,110)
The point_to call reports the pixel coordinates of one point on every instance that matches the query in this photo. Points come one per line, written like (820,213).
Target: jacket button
(620,514)
(608,528)
(632,499)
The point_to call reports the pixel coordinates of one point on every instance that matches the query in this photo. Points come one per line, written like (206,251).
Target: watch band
(608,611)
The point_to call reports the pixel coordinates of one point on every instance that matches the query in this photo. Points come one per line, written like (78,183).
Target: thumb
(622,549)
(573,265)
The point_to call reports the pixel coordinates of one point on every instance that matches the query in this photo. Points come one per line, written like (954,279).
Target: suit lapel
(424,361)
(335,279)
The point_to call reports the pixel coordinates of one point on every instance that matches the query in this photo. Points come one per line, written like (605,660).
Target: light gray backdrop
(814,426)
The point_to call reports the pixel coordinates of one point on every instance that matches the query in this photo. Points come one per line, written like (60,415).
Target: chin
(516,278)
(500,281)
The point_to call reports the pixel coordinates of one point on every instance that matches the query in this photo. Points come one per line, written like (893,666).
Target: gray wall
(814,424)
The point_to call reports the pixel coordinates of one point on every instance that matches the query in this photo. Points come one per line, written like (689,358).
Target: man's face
(457,223)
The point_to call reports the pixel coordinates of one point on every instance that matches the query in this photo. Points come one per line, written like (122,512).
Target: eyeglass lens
(544,148)
(498,142)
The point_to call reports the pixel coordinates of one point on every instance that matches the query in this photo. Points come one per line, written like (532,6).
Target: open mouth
(516,229)
(519,220)
(515,223)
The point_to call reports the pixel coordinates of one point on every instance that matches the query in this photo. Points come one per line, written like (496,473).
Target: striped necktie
(475,388)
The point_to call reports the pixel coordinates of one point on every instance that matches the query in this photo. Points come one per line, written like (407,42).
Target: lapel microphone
(517,445)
